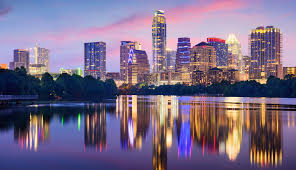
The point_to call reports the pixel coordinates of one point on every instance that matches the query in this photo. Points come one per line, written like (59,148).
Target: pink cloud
(5,11)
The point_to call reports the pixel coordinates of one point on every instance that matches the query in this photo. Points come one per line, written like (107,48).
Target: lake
(151,132)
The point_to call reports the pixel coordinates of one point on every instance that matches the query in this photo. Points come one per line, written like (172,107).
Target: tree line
(274,87)
(65,87)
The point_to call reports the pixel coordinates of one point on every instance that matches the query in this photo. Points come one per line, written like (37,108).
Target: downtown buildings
(159,36)
(21,58)
(95,59)
(265,46)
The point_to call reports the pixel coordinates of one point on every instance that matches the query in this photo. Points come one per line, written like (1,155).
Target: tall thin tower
(159,42)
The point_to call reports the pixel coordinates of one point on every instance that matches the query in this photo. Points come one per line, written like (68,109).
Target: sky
(64,25)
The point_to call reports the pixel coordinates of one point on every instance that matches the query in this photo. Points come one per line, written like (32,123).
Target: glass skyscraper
(21,58)
(159,42)
(235,53)
(221,51)
(42,56)
(265,52)
(95,59)
(183,54)
(171,59)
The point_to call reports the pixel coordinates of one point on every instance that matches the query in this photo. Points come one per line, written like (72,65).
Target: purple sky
(63,25)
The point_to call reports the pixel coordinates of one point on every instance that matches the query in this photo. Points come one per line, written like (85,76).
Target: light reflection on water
(155,132)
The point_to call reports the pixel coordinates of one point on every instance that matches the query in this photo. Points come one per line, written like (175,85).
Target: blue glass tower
(183,54)
(95,59)
(221,51)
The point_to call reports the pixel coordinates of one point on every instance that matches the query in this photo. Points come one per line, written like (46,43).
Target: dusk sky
(64,25)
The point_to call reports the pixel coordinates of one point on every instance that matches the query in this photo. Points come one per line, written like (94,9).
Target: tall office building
(21,58)
(183,54)
(95,59)
(221,51)
(235,53)
(171,59)
(265,51)
(159,42)
(42,56)
(138,66)
(125,48)
(202,57)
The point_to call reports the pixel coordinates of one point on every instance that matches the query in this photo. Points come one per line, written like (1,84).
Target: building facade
(289,71)
(202,57)
(37,70)
(42,56)
(265,52)
(183,54)
(138,66)
(221,51)
(171,59)
(159,36)
(234,53)
(4,66)
(125,48)
(21,58)
(95,59)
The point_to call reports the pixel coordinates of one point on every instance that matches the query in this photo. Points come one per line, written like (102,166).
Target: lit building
(42,56)
(171,59)
(138,66)
(202,57)
(265,52)
(113,75)
(125,48)
(21,58)
(246,64)
(4,66)
(183,54)
(37,70)
(221,51)
(290,71)
(198,77)
(159,42)
(235,53)
(95,59)
(77,71)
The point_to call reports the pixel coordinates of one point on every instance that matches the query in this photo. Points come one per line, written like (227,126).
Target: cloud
(4,9)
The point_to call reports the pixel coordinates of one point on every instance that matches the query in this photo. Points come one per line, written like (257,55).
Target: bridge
(5,99)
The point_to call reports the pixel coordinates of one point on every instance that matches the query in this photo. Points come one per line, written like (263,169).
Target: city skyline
(63,35)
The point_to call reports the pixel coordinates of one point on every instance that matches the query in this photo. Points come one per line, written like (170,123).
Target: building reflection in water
(34,132)
(95,136)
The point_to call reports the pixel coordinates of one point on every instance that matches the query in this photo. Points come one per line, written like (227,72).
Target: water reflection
(179,129)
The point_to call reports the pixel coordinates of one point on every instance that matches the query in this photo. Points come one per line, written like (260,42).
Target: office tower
(183,54)
(125,48)
(265,51)
(20,59)
(159,42)
(235,52)
(246,62)
(95,59)
(202,57)
(138,66)
(42,56)
(221,51)
(289,71)
(171,59)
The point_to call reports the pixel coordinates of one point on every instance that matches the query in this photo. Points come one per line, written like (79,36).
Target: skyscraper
(125,48)
(235,52)
(265,51)
(221,51)
(138,66)
(159,42)
(171,59)
(183,54)
(20,59)
(202,57)
(95,59)
(42,56)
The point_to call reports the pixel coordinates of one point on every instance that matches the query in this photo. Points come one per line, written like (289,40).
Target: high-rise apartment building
(221,51)
(95,59)
(183,54)
(265,52)
(21,58)
(171,59)
(42,56)
(202,57)
(125,48)
(159,42)
(246,62)
(235,53)
(138,66)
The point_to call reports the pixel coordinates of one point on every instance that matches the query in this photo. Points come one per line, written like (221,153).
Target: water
(151,132)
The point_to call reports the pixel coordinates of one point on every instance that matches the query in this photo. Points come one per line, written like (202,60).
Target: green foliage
(66,87)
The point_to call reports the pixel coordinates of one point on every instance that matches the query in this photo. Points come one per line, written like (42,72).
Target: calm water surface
(151,132)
